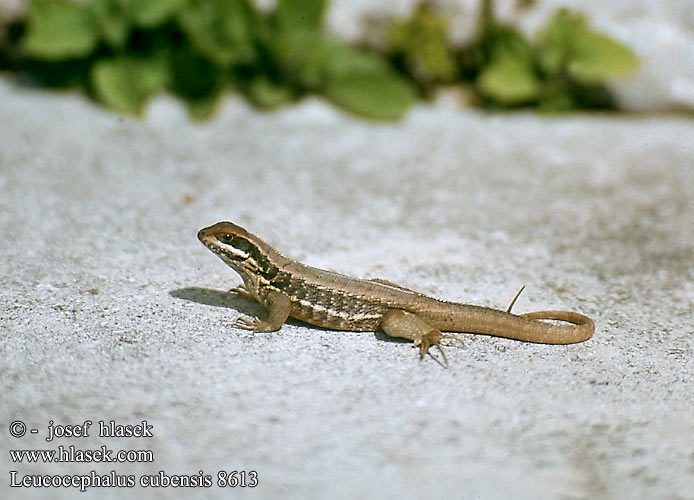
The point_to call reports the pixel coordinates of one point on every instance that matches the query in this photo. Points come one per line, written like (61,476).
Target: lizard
(288,288)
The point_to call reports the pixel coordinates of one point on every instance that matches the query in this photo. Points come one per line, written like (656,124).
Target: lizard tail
(563,334)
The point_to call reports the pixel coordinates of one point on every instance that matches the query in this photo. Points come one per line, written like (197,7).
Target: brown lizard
(330,300)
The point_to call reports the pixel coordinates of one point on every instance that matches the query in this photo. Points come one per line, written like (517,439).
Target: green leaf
(341,60)
(193,76)
(297,57)
(266,93)
(422,41)
(509,77)
(588,56)
(555,40)
(63,73)
(299,15)
(124,83)
(557,102)
(59,29)
(111,21)
(510,80)
(356,80)
(378,93)
(596,57)
(203,108)
(300,58)
(150,13)
(331,59)
(222,30)
(504,40)
(295,43)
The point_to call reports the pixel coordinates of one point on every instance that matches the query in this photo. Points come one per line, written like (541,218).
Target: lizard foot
(429,339)
(433,338)
(242,291)
(254,324)
(245,323)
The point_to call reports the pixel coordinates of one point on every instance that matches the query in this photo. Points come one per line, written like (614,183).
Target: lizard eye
(225,238)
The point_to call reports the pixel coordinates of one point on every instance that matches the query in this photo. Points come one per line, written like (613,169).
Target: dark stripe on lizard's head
(242,250)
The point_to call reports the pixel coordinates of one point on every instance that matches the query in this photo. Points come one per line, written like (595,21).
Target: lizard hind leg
(408,325)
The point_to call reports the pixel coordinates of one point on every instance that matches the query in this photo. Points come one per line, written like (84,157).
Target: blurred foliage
(564,67)
(125,51)
(420,46)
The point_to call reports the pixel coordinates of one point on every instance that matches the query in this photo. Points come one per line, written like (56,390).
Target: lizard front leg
(242,291)
(278,306)
(407,325)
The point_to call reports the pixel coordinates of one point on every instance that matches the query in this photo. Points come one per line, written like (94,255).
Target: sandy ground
(112,310)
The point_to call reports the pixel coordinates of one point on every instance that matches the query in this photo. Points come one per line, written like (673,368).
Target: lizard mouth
(204,235)
(208,238)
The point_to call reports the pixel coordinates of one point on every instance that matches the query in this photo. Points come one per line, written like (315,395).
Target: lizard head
(247,254)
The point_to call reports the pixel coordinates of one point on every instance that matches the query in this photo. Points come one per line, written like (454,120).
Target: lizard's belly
(339,313)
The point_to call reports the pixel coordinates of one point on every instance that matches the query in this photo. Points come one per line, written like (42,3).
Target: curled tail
(561,334)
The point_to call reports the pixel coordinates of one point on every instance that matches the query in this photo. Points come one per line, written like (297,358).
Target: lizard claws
(245,323)
(242,291)
(426,341)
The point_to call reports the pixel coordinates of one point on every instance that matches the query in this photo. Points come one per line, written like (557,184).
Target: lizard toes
(245,323)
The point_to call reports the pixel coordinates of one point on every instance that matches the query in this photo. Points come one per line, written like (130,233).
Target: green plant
(563,68)
(419,46)
(124,51)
